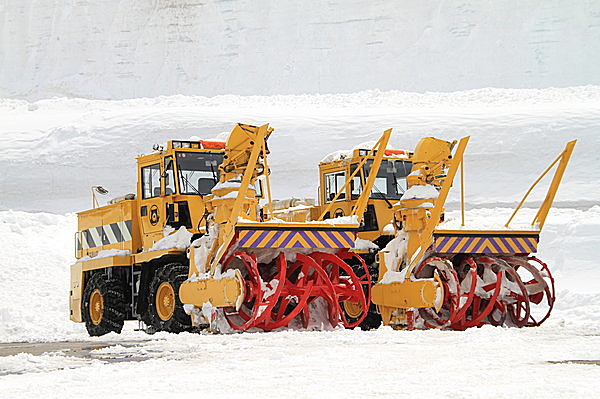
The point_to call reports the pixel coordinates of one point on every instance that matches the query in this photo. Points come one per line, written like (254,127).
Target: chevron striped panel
(296,239)
(486,244)
(104,235)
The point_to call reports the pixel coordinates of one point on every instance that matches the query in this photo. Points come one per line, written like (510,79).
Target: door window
(333,183)
(169,176)
(151,181)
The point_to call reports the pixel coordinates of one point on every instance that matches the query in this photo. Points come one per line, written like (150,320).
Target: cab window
(198,171)
(333,183)
(169,176)
(151,181)
(390,182)
(258,186)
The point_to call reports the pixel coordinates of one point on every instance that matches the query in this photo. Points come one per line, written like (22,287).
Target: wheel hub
(353,309)
(96,307)
(165,301)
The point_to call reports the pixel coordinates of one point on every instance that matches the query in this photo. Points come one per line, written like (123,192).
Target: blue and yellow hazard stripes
(291,238)
(104,235)
(486,243)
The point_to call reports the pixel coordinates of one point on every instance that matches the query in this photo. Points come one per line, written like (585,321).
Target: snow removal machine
(428,273)
(227,263)
(203,245)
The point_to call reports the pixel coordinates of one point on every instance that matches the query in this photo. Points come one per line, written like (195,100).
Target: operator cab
(390,183)
(173,183)
(185,168)
(388,188)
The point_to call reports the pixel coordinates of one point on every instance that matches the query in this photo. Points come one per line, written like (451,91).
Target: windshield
(390,182)
(198,172)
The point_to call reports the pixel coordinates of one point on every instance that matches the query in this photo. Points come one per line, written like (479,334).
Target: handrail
(562,160)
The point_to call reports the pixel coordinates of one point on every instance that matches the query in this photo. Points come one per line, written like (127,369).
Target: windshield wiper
(397,186)
(212,169)
(383,197)
(187,183)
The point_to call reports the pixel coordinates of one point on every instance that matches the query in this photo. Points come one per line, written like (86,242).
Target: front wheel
(165,309)
(103,305)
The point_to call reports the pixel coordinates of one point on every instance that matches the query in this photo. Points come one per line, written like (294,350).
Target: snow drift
(55,150)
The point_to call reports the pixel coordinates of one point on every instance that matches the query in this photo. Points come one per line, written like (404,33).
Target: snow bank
(364,245)
(38,250)
(59,148)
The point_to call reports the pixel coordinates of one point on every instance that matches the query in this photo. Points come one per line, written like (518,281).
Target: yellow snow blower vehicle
(430,274)
(486,276)
(225,263)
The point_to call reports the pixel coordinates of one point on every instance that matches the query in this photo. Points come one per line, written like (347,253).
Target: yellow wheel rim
(165,301)
(96,306)
(353,309)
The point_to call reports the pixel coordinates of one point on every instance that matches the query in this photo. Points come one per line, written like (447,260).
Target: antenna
(100,190)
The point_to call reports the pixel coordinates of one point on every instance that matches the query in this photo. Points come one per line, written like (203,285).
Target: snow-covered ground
(480,363)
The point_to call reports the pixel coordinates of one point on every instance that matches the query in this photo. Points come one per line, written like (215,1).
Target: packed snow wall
(144,48)
(54,150)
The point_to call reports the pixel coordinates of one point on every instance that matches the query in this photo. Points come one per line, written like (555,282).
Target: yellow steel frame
(562,160)
(257,144)
(427,234)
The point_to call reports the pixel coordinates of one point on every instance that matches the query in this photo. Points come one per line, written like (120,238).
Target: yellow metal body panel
(220,293)
(102,263)
(144,257)
(76,292)
(405,294)
(108,227)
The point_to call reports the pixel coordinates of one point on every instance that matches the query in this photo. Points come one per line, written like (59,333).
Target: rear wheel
(165,309)
(103,305)
(364,267)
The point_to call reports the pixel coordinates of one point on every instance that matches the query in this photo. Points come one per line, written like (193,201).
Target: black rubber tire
(113,296)
(174,274)
(372,321)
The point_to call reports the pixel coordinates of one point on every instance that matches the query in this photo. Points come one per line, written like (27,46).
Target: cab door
(152,212)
